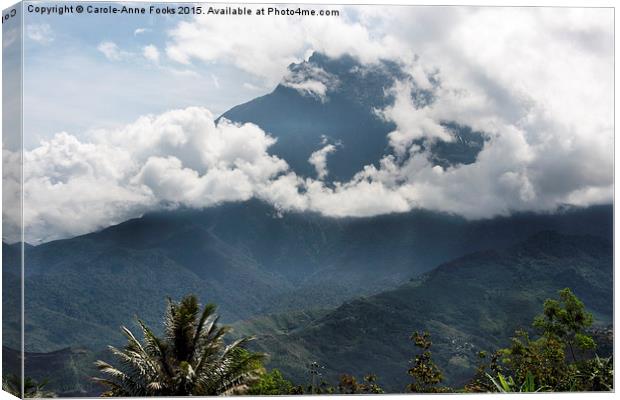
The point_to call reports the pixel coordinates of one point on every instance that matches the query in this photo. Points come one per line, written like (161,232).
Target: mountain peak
(334,101)
(366,85)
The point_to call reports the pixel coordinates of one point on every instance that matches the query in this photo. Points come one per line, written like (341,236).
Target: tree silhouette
(191,359)
(426,375)
(566,320)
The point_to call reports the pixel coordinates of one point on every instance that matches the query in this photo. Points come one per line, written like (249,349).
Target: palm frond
(192,358)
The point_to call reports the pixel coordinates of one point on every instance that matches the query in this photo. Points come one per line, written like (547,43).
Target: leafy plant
(425,373)
(480,382)
(191,358)
(566,320)
(595,375)
(349,385)
(543,358)
(508,385)
(270,384)
(32,389)
(543,363)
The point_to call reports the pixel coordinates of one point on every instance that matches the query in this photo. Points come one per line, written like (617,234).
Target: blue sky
(70,85)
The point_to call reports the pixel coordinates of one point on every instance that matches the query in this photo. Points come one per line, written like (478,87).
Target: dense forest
(466,325)
(195,356)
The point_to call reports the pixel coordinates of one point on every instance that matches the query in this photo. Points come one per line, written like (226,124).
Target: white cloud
(11,195)
(538,83)
(40,33)
(311,80)
(235,41)
(73,187)
(111,51)
(548,119)
(170,182)
(319,160)
(140,31)
(413,122)
(261,48)
(151,53)
(358,199)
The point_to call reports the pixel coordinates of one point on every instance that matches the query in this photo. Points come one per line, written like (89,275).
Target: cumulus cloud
(11,195)
(261,48)
(548,119)
(177,158)
(544,104)
(151,53)
(72,187)
(234,41)
(413,122)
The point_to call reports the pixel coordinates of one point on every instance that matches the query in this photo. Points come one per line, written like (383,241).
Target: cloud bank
(538,87)
(177,158)
(266,46)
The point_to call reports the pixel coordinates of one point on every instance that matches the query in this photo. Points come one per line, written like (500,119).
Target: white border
(549,3)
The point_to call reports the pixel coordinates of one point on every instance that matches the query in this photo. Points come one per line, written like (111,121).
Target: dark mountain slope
(248,261)
(11,295)
(68,371)
(347,115)
(470,304)
(299,122)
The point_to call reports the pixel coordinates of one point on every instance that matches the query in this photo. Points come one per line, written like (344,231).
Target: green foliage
(191,358)
(504,291)
(426,375)
(270,384)
(372,328)
(584,342)
(543,358)
(32,389)
(542,364)
(595,375)
(480,383)
(508,385)
(566,320)
(349,385)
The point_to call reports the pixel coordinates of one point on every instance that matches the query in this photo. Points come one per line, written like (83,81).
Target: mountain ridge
(504,290)
(251,262)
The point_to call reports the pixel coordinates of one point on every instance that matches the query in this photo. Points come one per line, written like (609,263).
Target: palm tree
(191,359)
(32,389)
